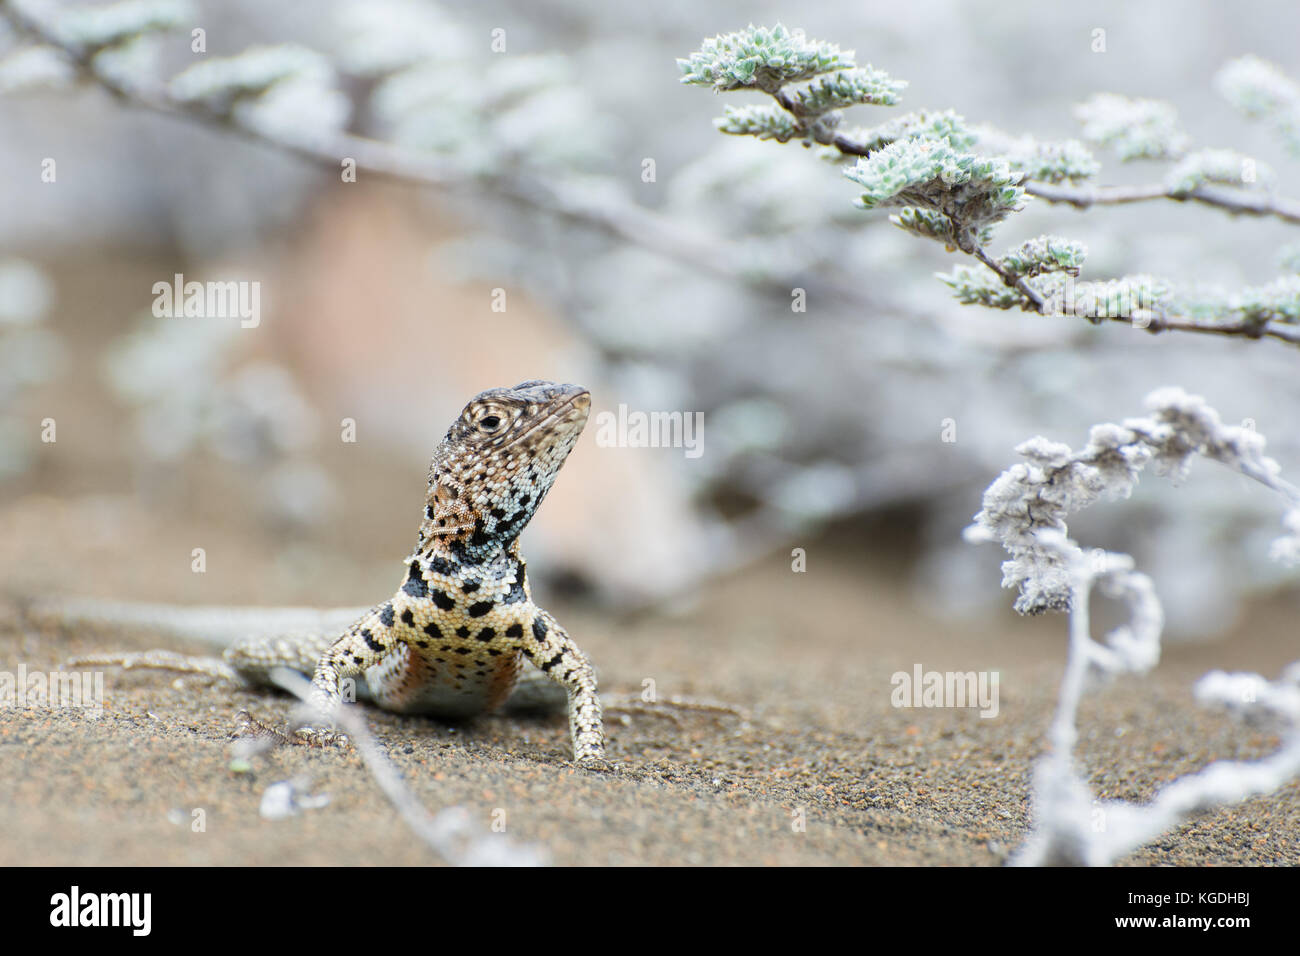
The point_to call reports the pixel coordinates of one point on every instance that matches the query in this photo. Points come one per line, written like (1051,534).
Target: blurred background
(662,286)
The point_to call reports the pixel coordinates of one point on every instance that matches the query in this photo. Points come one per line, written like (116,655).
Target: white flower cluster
(758,120)
(108,25)
(1025,509)
(1037,496)
(34,67)
(1134,128)
(1217,166)
(1260,90)
(284,90)
(761,57)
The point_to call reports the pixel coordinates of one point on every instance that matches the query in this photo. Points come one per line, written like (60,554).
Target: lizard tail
(217,627)
(159,660)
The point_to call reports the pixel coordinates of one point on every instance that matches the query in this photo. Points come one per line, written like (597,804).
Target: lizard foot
(321,737)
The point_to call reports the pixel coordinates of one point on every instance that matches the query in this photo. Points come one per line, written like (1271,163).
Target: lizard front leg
(549,647)
(366,643)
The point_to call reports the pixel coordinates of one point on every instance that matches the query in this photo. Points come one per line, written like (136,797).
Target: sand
(817,767)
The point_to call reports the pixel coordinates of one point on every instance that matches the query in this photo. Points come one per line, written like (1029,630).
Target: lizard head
(498,461)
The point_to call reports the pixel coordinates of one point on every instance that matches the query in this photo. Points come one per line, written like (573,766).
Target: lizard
(461,634)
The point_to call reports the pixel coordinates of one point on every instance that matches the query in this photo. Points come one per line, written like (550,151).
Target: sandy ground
(807,658)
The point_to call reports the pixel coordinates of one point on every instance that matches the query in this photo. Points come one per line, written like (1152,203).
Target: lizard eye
(489,422)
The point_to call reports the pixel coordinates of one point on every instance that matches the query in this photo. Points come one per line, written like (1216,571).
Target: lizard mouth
(579,402)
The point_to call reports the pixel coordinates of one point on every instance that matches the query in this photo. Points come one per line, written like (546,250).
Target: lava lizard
(461,635)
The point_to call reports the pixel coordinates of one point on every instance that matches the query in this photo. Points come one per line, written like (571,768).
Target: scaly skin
(461,632)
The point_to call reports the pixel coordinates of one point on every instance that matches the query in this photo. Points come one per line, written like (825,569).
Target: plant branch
(1249,330)
(1010,279)
(1234,201)
(574,200)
